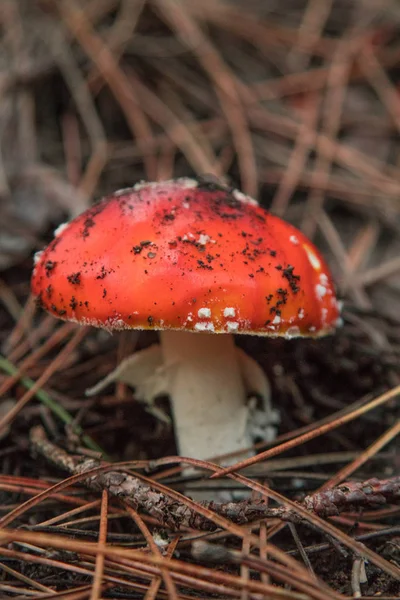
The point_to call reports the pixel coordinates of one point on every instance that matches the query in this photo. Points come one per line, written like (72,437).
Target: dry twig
(140,495)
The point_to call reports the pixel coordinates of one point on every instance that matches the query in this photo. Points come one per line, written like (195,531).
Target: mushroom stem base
(207,393)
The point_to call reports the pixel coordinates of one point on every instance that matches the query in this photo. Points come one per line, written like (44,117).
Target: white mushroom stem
(207,393)
(208,380)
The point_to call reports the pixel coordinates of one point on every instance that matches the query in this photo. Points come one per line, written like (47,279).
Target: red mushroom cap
(190,255)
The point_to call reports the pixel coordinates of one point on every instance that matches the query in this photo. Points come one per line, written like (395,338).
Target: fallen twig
(349,495)
(168,511)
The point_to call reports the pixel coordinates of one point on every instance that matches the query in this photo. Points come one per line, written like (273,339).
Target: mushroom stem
(207,393)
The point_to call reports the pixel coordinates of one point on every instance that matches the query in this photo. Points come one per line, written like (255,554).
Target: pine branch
(171,513)
(352,495)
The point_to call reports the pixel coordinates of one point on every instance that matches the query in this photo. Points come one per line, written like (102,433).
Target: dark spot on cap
(103,273)
(87,225)
(292,278)
(283,296)
(168,217)
(74,278)
(49,266)
(203,265)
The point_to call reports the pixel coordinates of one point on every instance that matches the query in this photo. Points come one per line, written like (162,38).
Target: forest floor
(297,104)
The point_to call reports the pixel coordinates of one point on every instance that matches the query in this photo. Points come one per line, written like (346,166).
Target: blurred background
(295,102)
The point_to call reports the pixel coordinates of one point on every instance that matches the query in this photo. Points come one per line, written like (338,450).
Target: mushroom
(199,262)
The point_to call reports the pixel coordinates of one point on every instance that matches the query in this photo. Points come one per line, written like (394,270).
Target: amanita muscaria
(199,262)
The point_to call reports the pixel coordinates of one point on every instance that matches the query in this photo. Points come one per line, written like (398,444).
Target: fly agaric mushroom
(199,262)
